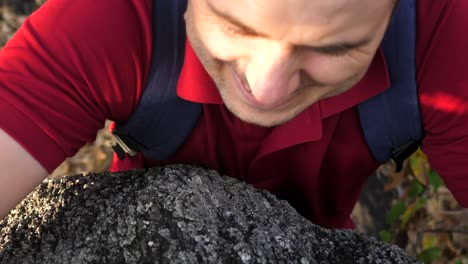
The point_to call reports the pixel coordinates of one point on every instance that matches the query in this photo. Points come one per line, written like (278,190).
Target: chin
(262,118)
(263,122)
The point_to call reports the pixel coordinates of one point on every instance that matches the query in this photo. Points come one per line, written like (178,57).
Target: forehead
(291,18)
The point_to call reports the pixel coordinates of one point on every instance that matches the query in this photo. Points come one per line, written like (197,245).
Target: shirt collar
(195,84)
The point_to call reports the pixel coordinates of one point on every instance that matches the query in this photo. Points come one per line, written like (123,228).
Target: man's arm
(71,66)
(20,173)
(443,90)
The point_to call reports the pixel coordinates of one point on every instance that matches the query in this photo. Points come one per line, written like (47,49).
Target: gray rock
(173,214)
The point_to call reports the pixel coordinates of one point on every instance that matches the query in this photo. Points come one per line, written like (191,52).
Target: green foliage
(411,209)
(396,211)
(386,236)
(430,254)
(416,189)
(420,183)
(435,180)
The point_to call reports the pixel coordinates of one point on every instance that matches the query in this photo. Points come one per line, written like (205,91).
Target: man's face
(271,59)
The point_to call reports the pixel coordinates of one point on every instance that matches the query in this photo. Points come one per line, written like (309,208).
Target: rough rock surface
(173,214)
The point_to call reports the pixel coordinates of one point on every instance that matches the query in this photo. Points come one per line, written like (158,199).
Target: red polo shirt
(288,160)
(62,76)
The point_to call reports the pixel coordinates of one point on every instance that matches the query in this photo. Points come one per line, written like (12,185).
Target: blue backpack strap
(391,121)
(155,128)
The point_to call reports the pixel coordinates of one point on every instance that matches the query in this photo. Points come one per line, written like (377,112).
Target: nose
(273,74)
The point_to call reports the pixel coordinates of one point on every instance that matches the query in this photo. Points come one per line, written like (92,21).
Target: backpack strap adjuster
(122,148)
(399,155)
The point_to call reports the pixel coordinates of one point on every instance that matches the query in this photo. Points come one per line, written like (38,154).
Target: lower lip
(250,98)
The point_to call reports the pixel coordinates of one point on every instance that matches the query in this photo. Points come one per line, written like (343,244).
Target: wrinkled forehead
(284,17)
(302,9)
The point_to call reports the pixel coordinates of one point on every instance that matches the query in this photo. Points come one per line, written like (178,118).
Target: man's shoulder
(432,13)
(441,27)
(443,88)
(79,62)
(94,13)
(101,41)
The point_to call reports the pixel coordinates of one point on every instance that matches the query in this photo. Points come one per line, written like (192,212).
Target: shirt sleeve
(71,66)
(443,90)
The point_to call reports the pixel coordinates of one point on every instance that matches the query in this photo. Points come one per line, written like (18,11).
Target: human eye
(233,31)
(328,51)
(236,31)
(337,51)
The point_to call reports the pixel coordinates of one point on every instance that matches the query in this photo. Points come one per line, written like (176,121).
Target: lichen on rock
(172,214)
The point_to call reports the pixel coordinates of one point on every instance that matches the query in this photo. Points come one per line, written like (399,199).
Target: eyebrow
(334,48)
(338,48)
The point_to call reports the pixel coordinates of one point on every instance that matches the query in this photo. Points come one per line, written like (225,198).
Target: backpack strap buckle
(399,155)
(122,148)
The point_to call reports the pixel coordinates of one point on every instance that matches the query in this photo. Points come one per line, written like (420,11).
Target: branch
(443,230)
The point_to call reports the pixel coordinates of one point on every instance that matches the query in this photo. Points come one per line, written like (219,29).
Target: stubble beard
(218,70)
